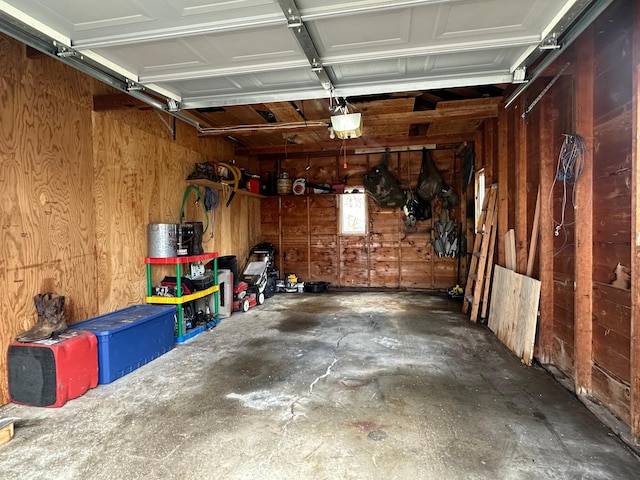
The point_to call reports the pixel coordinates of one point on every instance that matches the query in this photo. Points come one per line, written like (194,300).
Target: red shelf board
(185,259)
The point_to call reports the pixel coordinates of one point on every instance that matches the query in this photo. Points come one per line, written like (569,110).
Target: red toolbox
(49,372)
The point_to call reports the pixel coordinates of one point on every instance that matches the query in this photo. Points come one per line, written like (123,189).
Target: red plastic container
(48,373)
(253,185)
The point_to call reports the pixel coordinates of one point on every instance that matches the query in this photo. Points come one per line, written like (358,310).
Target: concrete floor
(325,386)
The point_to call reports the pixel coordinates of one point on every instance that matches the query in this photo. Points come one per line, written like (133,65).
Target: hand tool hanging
(236,174)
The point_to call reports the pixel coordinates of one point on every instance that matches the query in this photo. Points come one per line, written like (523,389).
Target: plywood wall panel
(46,213)
(140,179)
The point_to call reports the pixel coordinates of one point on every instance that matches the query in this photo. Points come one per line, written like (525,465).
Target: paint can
(162,240)
(284,186)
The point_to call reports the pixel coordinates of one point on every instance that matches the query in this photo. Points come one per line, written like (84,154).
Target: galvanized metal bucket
(162,240)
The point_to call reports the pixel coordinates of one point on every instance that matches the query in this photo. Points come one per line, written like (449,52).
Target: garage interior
(105,110)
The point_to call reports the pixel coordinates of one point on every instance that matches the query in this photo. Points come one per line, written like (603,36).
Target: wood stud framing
(583,298)
(521,206)
(635,240)
(547,166)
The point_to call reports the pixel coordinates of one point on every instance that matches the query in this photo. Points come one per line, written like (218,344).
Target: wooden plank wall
(612,234)
(78,189)
(564,241)
(585,319)
(634,393)
(388,256)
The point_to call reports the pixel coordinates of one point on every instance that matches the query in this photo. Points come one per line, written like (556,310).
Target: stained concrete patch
(297,323)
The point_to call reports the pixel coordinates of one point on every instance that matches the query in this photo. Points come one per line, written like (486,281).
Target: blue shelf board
(192,333)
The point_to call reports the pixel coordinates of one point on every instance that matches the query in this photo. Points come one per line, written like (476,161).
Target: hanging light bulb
(332,134)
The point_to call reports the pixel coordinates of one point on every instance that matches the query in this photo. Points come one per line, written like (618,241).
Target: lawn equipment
(251,288)
(246,296)
(259,266)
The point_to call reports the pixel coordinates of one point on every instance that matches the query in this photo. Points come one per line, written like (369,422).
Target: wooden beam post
(547,172)
(634,406)
(522,215)
(490,151)
(503,180)
(583,299)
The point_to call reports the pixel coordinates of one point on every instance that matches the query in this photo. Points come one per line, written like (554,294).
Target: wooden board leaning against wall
(305,228)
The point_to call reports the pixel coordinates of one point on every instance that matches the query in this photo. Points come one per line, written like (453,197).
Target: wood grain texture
(634,314)
(521,207)
(502,174)
(514,310)
(46,212)
(613,393)
(140,179)
(510,250)
(546,261)
(387,256)
(585,342)
(79,188)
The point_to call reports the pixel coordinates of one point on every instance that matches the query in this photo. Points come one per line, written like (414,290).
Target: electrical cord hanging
(199,200)
(568,171)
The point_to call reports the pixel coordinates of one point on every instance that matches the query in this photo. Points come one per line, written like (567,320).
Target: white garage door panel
(242,51)
(270,47)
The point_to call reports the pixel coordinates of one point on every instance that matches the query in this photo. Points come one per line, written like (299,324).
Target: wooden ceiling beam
(465,111)
(349,146)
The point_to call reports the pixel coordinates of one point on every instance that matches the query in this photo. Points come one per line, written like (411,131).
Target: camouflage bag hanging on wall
(382,186)
(430,182)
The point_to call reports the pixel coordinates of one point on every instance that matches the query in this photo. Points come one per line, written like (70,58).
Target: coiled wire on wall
(568,171)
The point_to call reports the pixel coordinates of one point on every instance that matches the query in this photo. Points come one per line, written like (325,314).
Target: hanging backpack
(430,181)
(382,186)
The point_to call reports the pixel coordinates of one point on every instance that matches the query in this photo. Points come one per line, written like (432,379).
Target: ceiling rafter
(349,146)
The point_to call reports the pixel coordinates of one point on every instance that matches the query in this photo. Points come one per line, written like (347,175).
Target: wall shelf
(183,298)
(223,187)
(181,333)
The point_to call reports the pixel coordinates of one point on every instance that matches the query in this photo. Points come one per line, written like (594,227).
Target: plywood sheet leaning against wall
(513,313)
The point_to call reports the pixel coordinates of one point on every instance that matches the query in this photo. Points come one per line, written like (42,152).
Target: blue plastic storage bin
(130,338)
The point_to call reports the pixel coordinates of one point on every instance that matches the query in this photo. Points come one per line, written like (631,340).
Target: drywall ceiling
(198,55)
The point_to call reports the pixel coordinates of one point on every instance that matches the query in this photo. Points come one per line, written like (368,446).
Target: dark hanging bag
(430,181)
(382,186)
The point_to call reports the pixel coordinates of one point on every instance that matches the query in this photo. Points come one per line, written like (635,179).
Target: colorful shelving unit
(179,299)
